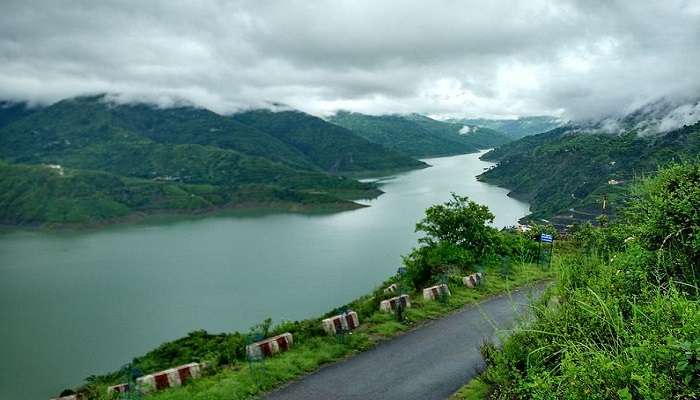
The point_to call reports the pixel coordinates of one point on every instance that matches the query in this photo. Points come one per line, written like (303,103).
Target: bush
(664,216)
(426,263)
(520,246)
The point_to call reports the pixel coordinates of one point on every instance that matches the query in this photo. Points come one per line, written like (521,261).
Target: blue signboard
(546,238)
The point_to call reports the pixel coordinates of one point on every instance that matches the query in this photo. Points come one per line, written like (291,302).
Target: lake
(79,303)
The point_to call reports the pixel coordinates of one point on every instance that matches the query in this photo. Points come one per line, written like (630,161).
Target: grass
(476,389)
(244,381)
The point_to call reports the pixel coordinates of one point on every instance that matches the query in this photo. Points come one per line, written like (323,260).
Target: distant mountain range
(515,128)
(418,135)
(89,160)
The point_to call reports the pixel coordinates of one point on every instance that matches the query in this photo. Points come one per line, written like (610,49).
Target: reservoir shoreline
(92,300)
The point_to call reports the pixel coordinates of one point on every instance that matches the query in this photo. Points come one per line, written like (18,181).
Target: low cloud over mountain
(574,59)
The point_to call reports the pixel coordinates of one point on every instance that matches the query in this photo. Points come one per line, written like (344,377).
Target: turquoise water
(81,303)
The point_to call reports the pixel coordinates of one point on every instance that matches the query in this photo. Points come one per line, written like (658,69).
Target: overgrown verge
(623,321)
(476,389)
(458,240)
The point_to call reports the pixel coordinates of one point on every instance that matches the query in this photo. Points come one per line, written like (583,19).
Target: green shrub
(460,222)
(427,262)
(664,216)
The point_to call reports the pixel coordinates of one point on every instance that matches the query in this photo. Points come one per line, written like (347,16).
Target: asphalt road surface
(431,362)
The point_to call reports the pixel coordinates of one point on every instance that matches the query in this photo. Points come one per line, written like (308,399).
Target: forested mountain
(11,111)
(328,146)
(515,128)
(568,174)
(419,136)
(172,152)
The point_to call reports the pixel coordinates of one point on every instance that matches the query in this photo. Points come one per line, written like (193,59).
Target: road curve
(431,362)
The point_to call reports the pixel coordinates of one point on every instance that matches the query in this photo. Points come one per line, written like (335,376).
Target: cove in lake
(80,303)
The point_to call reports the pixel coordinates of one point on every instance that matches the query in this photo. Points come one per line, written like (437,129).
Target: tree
(460,222)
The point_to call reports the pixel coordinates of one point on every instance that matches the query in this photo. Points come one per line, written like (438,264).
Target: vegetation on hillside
(419,136)
(623,321)
(42,194)
(10,112)
(178,159)
(505,257)
(571,175)
(331,147)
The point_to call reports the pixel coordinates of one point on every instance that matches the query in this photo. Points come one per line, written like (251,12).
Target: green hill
(41,194)
(417,135)
(328,146)
(567,174)
(72,124)
(188,146)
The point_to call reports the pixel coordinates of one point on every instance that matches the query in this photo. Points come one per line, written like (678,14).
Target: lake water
(80,303)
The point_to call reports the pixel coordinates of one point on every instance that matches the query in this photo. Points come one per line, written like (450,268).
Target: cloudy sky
(492,58)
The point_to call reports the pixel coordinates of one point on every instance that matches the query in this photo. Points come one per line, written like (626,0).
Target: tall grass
(599,334)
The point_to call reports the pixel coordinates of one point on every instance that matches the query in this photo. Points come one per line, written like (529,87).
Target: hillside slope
(145,142)
(417,135)
(71,124)
(331,147)
(570,175)
(185,146)
(41,194)
(11,112)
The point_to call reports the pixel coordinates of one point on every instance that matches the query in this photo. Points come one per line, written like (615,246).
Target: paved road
(431,362)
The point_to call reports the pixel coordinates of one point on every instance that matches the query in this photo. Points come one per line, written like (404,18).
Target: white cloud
(577,59)
(466,129)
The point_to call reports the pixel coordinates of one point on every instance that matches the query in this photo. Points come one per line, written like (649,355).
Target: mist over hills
(515,128)
(652,118)
(418,135)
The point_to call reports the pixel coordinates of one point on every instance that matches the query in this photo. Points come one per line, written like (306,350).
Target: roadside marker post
(546,238)
(399,312)
(255,361)
(342,334)
(443,280)
(133,391)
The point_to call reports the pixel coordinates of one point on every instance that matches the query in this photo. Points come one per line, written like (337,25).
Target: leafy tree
(461,222)
(457,235)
